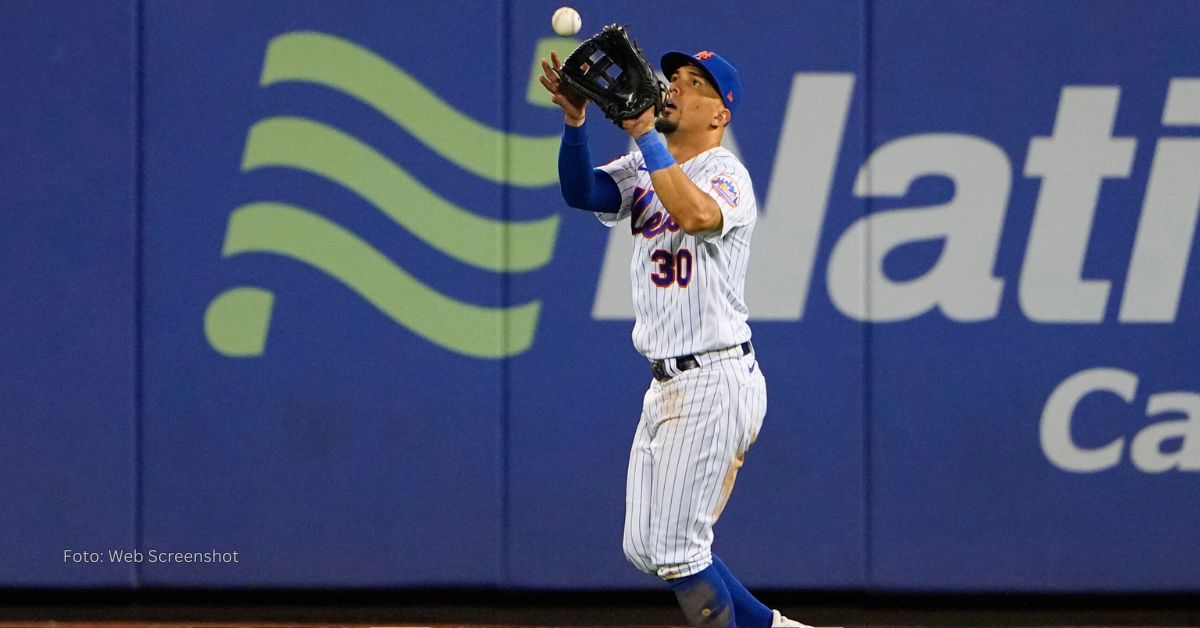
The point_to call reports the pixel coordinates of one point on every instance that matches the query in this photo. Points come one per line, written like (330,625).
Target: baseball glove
(611,71)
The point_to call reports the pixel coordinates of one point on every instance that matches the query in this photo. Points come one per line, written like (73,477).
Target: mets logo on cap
(723,185)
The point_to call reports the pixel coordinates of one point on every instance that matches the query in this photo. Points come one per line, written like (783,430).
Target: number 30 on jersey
(671,269)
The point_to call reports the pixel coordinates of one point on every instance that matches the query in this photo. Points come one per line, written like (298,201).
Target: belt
(661,368)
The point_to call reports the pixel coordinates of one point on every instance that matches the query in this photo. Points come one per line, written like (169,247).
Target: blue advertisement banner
(1034,397)
(300,304)
(67,292)
(324,299)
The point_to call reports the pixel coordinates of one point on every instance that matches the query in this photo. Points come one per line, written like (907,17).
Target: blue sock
(750,612)
(705,599)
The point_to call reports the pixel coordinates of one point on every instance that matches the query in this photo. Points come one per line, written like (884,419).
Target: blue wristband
(654,151)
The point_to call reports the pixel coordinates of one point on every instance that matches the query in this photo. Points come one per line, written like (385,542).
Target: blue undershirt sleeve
(583,186)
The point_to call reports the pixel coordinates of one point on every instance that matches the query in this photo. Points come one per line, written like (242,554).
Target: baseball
(566,21)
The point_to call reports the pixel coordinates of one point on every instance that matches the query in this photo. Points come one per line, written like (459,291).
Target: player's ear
(720,120)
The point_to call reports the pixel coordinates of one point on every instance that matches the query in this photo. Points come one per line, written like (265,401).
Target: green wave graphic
(291,231)
(347,67)
(236,322)
(472,239)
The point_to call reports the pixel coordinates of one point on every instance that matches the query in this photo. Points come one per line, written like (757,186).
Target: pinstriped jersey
(688,290)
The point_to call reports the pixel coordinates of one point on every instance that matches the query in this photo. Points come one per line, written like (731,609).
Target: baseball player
(691,211)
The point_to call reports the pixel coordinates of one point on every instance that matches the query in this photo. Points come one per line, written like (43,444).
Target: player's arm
(690,207)
(582,186)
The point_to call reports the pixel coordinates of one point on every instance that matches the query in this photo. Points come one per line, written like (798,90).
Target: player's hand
(642,124)
(572,102)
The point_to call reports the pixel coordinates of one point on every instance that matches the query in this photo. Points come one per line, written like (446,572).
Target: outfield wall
(294,279)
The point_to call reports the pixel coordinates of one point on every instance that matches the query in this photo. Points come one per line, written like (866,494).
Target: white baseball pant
(691,440)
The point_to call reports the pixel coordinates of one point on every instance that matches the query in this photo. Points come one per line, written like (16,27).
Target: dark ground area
(595,608)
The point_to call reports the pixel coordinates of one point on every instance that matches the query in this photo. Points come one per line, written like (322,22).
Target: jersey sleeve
(728,183)
(623,171)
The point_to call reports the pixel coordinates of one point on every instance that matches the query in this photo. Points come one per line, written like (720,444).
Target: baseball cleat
(777,619)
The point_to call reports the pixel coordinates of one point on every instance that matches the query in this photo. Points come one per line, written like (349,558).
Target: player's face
(692,102)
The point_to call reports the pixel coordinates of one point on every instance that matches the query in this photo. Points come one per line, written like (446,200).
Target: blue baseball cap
(715,68)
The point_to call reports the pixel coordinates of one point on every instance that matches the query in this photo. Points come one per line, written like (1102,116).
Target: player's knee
(638,558)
